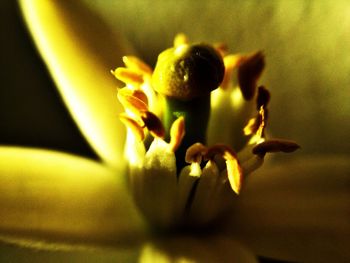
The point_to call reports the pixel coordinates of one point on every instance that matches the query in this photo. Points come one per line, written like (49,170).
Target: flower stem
(196,113)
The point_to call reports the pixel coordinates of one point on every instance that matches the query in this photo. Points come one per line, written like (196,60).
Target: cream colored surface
(52,195)
(79,52)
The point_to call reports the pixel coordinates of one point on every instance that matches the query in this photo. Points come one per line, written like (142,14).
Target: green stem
(196,113)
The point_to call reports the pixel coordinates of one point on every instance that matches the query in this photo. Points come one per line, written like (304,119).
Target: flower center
(176,180)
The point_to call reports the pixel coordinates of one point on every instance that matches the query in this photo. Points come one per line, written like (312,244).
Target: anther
(128,76)
(132,100)
(231,62)
(263,97)
(177,133)
(153,124)
(136,64)
(133,126)
(221,47)
(275,145)
(256,126)
(140,95)
(251,127)
(261,120)
(234,170)
(249,72)
(195,153)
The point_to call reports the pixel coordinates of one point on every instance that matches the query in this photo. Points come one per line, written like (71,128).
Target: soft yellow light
(215,98)
(134,150)
(80,72)
(51,193)
(236,98)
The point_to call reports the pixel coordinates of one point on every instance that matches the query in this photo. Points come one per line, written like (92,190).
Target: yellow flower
(60,198)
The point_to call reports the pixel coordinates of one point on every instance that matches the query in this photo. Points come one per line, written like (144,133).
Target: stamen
(136,64)
(133,126)
(180,39)
(231,62)
(141,96)
(275,145)
(235,174)
(261,121)
(128,76)
(248,73)
(195,153)
(263,97)
(196,169)
(256,126)
(177,133)
(159,185)
(251,127)
(211,198)
(186,184)
(251,164)
(132,100)
(153,124)
(249,161)
(221,47)
(234,170)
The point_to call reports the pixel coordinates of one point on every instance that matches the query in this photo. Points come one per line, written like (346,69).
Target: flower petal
(191,249)
(230,114)
(24,251)
(80,51)
(51,195)
(298,210)
(161,250)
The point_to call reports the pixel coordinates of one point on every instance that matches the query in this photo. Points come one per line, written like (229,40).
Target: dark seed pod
(188,71)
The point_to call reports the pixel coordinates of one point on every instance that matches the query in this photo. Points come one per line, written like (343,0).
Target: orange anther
(128,76)
(177,132)
(131,102)
(195,153)
(137,64)
(133,126)
(234,170)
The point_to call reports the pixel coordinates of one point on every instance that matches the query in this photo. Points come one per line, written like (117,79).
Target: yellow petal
(27,251)
(53,195)
(191,249)
(297,211)
(79,51)
(179,249)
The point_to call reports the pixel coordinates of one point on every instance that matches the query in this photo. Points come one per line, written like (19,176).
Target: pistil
(185,75)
